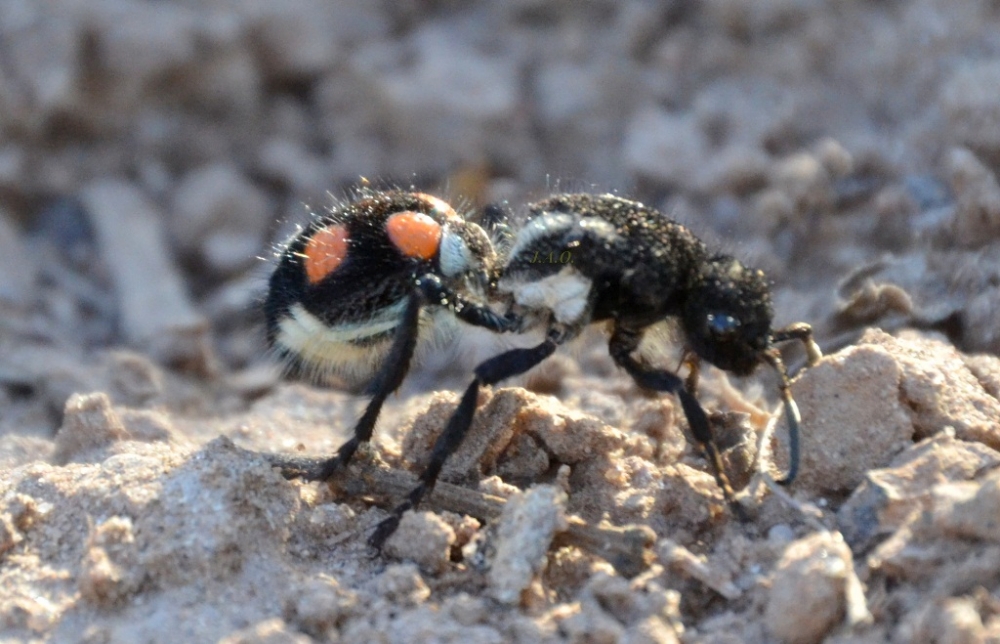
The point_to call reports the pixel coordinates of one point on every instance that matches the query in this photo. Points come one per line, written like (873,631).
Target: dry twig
(627,548)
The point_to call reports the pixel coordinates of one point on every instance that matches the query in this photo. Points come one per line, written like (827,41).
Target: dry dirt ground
(152,153)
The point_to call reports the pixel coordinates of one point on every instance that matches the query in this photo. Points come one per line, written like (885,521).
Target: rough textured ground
(151,153)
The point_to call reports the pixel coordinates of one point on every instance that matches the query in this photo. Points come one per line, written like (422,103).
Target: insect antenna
(794,419)
(803,333)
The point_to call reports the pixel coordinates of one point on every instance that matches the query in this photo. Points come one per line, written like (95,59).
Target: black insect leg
(490,372)
(387,380)
(623,342)
(395,366)
(429,291)
(435,292)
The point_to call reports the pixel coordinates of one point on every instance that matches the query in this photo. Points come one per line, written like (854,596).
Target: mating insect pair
(359,289)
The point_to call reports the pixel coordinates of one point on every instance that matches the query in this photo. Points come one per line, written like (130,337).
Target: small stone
(290,163)
(887,497)
(805,181)
(134,378)
(108,572)
(271,631)
(220,216)
(938,388)
(45,59)
(18,269)
(156,312)
(808,591)
(977,216)
(615,610)
(737,170)
(942,286)
(968,509)
(592,626)
(89,423)
(850,403)
(679,558)
(148,425)
(775,207)
(402,584)
(423,538)
(954,620)
(136,42)
(524,534)
(970,100)
(781,533)
(447,106)
(25,511)
(319,606)
(837,161)
(872,301)
(651,630)
(664,147)
(9,536)
(466,609)
(330,519)
(297,39)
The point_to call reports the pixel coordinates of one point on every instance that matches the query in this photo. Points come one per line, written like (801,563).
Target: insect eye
(722,325)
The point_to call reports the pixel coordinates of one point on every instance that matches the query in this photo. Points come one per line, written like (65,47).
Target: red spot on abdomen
(414,234)
(326,249)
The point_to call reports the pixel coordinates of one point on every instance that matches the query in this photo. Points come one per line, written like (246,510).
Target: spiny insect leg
(435,292)
(490,372)
(429,290)
(623,342)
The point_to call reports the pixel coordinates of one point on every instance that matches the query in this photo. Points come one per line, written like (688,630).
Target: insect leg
(386,381)
(429,290)
(623,342)
(435,292)
(490,372)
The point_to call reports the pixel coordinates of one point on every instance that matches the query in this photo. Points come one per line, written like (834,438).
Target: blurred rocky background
(150,151)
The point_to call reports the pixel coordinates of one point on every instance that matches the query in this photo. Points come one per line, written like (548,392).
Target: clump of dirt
(135,517)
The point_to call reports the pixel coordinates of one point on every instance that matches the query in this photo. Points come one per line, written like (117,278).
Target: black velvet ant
(359,289)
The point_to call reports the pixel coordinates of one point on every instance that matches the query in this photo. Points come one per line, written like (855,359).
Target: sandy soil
(152,153)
